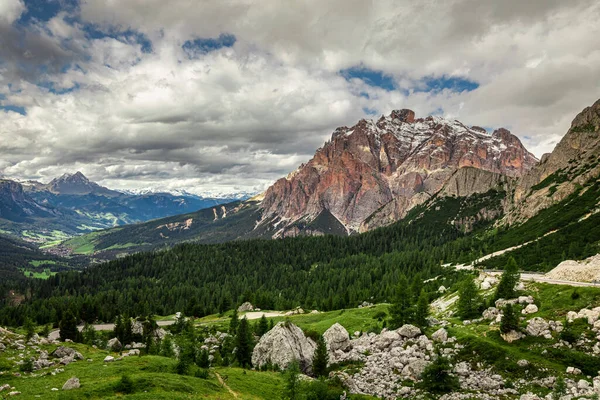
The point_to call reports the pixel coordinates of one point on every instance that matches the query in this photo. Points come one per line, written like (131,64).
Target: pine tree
(292,381)
(233,324)
(508,281)
(320,359)
(263,326)
(400,309)
(437,379)
(127,330)
(88,334)
(203,360)
(68,327)
(468,300)
(29,328)
(119,330)
(510,320)
(416,286)
(422,310)
(244,344)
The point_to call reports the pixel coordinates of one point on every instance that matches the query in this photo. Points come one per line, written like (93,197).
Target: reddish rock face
(392,164)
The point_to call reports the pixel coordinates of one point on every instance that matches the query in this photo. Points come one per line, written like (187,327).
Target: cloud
(226,96)
(11,10)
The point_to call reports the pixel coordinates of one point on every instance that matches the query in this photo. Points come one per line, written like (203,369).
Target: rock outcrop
(371,174)
(247,306)
(337,338)
(572,163)
(282,345)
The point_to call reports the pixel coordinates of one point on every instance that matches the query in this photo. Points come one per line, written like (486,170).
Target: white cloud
(11,10)
(238,118)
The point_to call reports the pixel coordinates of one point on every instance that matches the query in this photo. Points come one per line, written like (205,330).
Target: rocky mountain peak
(378,170)
(77,184)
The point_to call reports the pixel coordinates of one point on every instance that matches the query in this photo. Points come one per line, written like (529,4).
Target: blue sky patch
(43,10)
(455,84)
(128,36)
(370,76)
(370,111)
(52,89)
(17,109)
(206,45)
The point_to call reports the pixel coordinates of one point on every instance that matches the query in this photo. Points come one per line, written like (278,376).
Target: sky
(226,96)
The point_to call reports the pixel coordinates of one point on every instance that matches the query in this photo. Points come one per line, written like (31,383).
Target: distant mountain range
(375,173)
(72,204)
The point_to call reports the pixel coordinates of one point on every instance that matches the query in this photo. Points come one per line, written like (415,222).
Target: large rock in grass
(114,345)
(538,327)
(282,345)
(72,383)
(68,354)
(337,338)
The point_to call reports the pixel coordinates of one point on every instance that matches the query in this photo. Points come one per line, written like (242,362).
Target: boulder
(409,331)
(530,309)
(415,368)
(337,338)
(72,383)
(114,345)
(109,359)
(386,338)
(523,363)
(525,300)
(62,352)
(283,344)
(462,369)
(573,371)
(246,307)
(512,336)
(491,313)
(137,328)
(537,327)
(441,335)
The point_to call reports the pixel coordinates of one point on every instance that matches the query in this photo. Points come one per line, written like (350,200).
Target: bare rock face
(282,345)
(337,338)
(373,173)
(573,162)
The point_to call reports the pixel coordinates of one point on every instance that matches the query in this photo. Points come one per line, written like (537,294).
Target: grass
(554,301)
(37,263)
(45,274)
(152,378)
(354,319)
(83,244)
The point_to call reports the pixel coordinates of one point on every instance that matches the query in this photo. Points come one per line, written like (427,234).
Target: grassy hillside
(201,226)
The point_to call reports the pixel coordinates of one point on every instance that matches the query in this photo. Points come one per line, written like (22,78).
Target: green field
(353,319)
(37,274)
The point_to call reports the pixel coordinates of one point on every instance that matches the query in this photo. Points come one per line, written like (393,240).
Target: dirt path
(54,335)
(259,314)
(222,382)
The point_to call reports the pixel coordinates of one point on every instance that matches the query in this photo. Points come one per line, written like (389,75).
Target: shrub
(125,385)
(202,373)
(27,366)
(437,378)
